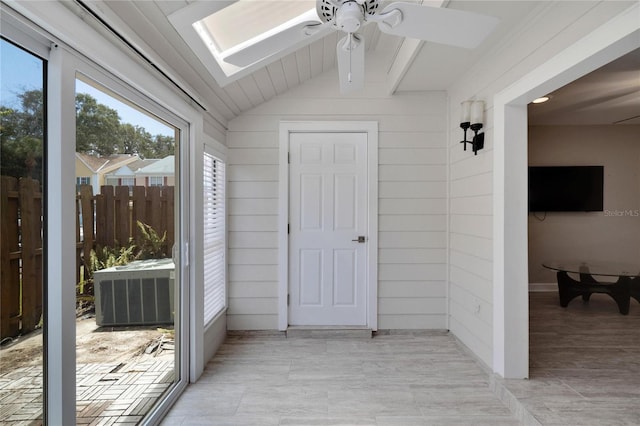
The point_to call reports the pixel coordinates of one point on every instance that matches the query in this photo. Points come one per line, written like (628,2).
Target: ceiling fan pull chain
(350,50)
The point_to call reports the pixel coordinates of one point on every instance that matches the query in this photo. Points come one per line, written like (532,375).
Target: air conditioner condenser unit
(139,293)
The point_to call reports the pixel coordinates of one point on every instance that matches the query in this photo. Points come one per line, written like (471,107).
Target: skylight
(214,30)
(248,21)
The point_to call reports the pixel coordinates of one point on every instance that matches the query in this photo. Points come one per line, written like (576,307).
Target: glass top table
(626,287)
(609,269)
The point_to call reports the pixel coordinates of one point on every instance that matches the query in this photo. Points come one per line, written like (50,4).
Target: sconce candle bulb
(465,120)
(466,112)
(477,113)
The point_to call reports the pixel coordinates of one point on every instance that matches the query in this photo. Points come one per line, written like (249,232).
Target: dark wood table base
(621,291)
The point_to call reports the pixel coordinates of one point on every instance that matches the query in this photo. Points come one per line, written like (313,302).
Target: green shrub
(152,246)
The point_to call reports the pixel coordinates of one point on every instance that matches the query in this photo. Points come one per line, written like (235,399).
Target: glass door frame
(87,70)
(63,62)
(14,31)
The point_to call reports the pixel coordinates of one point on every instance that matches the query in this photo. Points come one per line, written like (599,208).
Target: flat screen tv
(566,188)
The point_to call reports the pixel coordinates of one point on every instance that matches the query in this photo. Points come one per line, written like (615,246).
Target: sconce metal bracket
(477,143)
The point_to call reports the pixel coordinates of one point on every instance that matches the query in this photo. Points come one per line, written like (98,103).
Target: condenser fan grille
(327,11)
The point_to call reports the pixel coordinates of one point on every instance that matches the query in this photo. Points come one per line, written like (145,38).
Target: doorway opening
(511,293)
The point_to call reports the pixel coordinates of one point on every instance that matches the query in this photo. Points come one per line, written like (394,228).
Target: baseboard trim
(497,386)
(517,408)
(534,287)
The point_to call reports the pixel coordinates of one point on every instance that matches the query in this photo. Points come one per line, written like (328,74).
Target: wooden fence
(105,219)
(21,255)
(116,210)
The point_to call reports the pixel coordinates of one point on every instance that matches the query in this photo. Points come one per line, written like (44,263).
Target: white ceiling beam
(402,61)
(407,52)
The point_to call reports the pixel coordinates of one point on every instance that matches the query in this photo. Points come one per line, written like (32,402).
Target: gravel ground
(93,345)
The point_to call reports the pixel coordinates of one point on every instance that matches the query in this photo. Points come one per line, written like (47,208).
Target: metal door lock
(361,239)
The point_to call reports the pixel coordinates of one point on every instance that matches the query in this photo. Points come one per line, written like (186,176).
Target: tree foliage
(97,127)
(99,131)
(21,137)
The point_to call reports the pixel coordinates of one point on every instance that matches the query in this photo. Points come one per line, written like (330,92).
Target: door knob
(361,239)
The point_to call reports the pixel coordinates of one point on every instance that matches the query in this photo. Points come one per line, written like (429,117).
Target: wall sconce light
(472,118)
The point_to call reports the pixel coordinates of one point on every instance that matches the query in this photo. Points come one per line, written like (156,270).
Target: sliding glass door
(22,219)
(129,298)
(123,189)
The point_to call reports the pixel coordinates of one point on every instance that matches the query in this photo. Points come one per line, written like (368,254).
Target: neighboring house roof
(105,164)
(131,168)
(164,167)
(122,171)
(140,163)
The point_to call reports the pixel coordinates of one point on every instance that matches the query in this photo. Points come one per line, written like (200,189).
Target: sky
(21,71)
(127,114)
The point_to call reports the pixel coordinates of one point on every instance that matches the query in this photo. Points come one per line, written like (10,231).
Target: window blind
(214,237)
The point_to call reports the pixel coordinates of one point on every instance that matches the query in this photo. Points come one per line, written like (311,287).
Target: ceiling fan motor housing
(349,15)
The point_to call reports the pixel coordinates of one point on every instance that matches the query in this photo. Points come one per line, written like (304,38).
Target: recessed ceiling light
(541,99)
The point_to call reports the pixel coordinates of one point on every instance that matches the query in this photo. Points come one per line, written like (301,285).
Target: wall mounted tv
(566,188)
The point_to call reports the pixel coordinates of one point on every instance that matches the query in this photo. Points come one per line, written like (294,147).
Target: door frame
(371,129)
(510,250)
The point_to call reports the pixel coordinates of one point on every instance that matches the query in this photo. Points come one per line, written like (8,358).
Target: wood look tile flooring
(584,363)
(421,378)
(584,370)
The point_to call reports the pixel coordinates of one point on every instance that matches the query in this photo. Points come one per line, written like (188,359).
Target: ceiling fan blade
(350,52)
(447,26)
(275,43)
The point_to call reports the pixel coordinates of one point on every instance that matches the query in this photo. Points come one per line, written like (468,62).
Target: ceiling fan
(439,25)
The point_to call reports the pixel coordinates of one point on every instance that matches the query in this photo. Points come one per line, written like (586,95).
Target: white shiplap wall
(412,204)
(551,27)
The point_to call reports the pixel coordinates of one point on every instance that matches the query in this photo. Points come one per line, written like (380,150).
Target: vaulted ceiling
(407,64)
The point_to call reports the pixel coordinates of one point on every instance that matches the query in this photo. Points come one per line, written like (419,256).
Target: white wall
(611,235)
(550,28)
(412,204)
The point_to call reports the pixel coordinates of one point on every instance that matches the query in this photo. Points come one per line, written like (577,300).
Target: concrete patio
(119,393)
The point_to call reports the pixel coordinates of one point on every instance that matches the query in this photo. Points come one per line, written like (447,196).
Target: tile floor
(584,363)
(422,378)
(585,370)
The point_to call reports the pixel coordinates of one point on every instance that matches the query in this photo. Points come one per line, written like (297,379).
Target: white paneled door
(328,224)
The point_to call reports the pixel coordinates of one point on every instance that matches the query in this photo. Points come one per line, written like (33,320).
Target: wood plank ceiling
(147,27)
(410,65)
